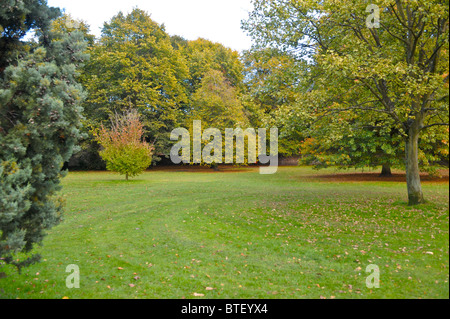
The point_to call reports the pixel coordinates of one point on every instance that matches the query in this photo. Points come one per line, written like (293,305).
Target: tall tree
(272,81)
(217,103)
(40,121)
(134,65)
(204,55)
(392,59)
(215,86)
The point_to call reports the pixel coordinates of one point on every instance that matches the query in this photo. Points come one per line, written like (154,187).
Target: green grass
(289,235)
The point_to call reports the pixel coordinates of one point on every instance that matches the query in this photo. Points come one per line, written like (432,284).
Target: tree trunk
(126,176)
(386,171)
(415,194)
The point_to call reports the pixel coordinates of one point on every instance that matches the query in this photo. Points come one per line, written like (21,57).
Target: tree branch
(436,124)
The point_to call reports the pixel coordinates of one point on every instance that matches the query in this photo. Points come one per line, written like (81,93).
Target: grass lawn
(237,234)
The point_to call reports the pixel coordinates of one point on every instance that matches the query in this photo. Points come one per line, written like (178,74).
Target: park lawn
(238,234)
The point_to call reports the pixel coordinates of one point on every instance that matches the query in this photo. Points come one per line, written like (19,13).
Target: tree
(40,121)
(123,148)
(395,63)
(215,86)
(203,55)
(217,105)
(134,65)
(17,18)
(67,24)
(357,141)
(347,141)
(272,80)
(86,156)
(178,42)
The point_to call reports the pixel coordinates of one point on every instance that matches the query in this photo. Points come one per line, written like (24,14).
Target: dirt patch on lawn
(375,177)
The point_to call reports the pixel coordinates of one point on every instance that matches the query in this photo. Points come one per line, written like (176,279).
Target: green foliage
(17,18)
(203,55)
(123,148)
(134,65)
(399,70)
(178,42)
(40,121)
(67,24)
(273,79)
(216,103)
(167,79)
(347,141)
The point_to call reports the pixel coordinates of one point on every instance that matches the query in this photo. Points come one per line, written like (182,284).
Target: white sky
(215,20)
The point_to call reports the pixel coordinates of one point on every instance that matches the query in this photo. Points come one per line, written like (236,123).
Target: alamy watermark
(373,20)
(373,280)
(213,152)
(73,280)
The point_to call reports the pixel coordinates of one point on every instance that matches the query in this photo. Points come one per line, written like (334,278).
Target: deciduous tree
(134,65)
(395,64)
(124,149)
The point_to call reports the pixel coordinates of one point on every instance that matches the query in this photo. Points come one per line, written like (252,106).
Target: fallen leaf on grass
(198,295)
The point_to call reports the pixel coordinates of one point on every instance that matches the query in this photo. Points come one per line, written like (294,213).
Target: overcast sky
(216,20)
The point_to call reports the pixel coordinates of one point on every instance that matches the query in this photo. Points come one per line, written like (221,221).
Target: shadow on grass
(203,169)
(375,177)
(121,182)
